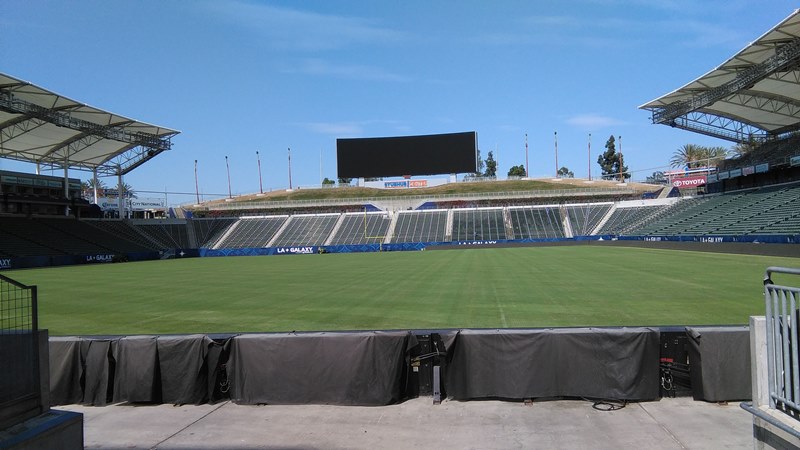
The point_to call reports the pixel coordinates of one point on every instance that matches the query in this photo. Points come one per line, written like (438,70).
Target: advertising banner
(132,204)
(749,170)
(689,182)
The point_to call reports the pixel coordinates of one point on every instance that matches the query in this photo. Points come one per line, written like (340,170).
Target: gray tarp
(357,368)
(98,370)
(719,358)
(582,362)
(169,369)
(66,370)
(136,377)
(182,362)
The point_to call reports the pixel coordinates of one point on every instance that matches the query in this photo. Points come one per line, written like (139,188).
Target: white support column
(120,196)
(94,178)
(66,183)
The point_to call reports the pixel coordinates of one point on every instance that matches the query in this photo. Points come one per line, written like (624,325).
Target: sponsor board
(711,239)
(724,175)
(761,168)
(147,203)
(405,184)
(736,173)
(5,263)
(689,182)
(477,242)
(749,170)
(295,250)
(712,178)
(794,161)
(99,258)
(133,204)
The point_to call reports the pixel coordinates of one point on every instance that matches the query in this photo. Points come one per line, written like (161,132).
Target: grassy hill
(336,193)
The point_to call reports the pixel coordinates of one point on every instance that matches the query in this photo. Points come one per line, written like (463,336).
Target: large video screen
(407,155)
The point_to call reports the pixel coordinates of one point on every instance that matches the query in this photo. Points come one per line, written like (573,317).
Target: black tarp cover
(582,362)
(348,368)
(66,370)
(98,369)
(182,363)
(719,358)
(136,377)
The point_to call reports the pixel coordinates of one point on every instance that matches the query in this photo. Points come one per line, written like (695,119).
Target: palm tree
(87,187)
(693,156)
(128,190)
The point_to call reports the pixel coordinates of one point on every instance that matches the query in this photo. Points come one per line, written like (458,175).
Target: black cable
(605,404)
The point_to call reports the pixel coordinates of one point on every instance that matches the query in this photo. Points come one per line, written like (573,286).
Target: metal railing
(20,394)
(783,334)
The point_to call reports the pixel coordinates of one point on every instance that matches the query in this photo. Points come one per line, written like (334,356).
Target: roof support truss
(718,126)
(786,57)
(9,103)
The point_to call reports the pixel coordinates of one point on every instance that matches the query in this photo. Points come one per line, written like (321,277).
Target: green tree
(327,182)
(693,156)
(517,171)
(345,181)
(128,191)
(491,166)
(480,164)
(743,148)
(610,162)
(87,188)
(564,172)
(656,178)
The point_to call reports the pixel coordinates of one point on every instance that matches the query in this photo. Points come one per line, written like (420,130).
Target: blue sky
(239,76)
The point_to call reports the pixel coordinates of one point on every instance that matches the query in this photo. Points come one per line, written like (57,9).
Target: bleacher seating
(536,222)
(250,232)
(208,231)
(773,210)
(307,230)
(478,224)
(124,230)
(360,228)
(584,218)
(59,236)
(768,210)
(420,226)
(623,220)
(774,153)
(166,234)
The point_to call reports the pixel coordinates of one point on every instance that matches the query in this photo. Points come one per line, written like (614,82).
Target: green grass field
(504,287)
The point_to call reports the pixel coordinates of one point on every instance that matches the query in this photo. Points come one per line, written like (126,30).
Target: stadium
(416,287)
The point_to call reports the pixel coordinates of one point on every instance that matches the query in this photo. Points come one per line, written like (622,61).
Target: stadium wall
(384,367)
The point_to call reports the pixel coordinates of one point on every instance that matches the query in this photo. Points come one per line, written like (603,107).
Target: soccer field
(474,288)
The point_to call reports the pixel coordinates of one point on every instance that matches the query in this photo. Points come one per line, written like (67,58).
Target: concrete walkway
(665,424)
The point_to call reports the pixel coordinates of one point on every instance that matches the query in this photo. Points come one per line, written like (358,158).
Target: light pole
(260,184)
(527,174)
(290,168)
(555,134)
(621,178)
(590,156)
(196,186)
(227,167)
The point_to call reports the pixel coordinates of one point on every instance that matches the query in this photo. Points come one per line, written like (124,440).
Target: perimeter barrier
(20,394)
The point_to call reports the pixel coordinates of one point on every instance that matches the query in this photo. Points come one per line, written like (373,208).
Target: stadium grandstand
(753,198)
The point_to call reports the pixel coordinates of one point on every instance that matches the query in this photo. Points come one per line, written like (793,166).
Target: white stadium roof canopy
(53,131)
(753,95)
